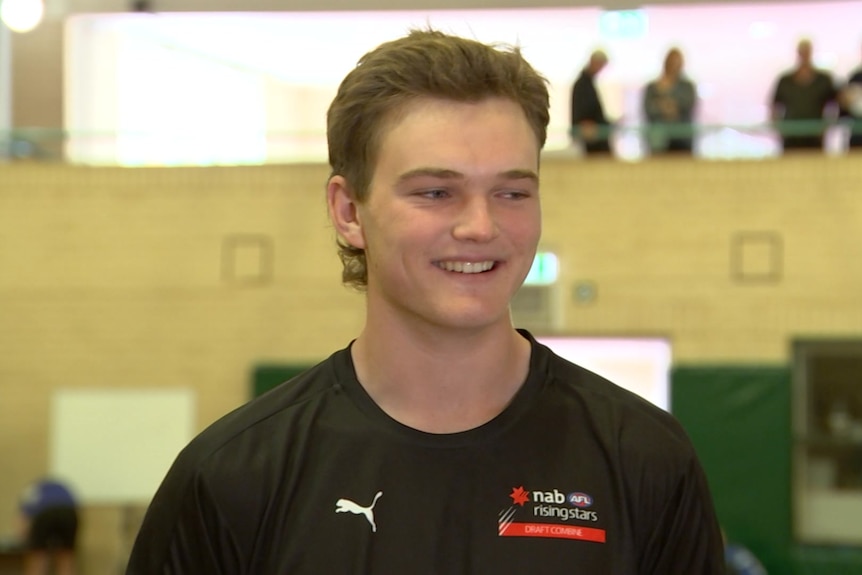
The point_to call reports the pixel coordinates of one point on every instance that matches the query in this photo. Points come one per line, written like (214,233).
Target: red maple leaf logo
(519,495)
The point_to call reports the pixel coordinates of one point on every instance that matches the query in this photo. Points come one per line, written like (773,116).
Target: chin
(474,319)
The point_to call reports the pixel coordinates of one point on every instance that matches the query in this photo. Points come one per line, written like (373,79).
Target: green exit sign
(544,270)
(623,24)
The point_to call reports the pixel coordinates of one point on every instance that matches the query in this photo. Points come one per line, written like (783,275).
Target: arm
(832,108)
(685,537)
(578,106)
(586,110)
(651,103)
(686,100)
(776,103)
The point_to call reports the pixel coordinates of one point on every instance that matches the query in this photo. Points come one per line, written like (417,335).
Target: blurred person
(49,528)
(669,104)
(850,99)
(803,99)
(589,125)
(441,440)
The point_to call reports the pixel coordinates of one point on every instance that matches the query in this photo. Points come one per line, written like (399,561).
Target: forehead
(441,131)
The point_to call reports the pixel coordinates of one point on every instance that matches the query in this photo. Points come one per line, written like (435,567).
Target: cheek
(527,231)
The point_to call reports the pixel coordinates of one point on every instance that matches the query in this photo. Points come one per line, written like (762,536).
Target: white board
(639,365)
(115,445)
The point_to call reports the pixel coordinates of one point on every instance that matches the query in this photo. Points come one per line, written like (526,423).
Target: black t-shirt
(576,475)
(804,101)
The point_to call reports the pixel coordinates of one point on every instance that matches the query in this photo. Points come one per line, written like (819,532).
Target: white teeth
(466,267)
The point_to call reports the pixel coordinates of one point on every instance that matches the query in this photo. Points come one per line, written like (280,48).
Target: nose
(475,221)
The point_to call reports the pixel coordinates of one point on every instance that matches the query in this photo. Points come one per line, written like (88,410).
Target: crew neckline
(522,399)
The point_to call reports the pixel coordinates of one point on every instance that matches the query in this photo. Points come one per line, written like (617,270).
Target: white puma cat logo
(345,505)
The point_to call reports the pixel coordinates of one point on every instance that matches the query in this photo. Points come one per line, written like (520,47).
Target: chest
(373,507)
(806,98)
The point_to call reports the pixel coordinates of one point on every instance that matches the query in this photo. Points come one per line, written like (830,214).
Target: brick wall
(135,278)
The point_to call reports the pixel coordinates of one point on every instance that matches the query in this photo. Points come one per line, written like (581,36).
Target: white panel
(115,446)
(830,516)
(639,365)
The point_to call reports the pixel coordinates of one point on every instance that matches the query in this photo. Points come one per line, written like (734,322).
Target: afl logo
(579,499)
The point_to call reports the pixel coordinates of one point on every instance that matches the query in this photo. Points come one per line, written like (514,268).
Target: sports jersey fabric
(576,475)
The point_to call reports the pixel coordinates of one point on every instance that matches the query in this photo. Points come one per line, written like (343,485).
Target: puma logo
(346,505)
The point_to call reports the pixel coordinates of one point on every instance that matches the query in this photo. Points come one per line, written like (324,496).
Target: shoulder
(648,447)
(647,455)
(625,418)
(785,78)
(583,80)
(244,426)
(826,80)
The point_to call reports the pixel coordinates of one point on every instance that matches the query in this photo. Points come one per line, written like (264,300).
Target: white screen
(639,365)
(115,445)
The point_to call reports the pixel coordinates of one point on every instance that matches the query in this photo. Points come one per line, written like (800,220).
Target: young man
(442,440)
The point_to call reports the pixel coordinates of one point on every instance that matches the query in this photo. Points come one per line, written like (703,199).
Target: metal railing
(634,141)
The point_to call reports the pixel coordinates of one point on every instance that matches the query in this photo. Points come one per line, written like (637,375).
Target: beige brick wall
(188,277)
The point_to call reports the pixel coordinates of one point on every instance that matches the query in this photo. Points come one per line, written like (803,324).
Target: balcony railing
(627,142)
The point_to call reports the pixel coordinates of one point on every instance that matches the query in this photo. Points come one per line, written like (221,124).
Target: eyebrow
(443,173)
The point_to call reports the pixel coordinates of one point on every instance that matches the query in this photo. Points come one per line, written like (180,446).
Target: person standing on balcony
(802,101)
(669,106)
(850,98)
(589,125)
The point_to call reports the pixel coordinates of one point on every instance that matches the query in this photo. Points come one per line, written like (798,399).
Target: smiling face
(452,219)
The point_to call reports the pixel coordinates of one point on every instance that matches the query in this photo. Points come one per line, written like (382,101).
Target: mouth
(466,267)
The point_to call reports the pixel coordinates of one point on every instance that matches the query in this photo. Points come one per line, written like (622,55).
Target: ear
(344,212)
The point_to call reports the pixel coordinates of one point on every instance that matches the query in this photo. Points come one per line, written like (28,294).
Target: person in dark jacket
(589,125)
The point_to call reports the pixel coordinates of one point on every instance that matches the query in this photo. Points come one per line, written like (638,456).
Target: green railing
(782,129)
(634,141)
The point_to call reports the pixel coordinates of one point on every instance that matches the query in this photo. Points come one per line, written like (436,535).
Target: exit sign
(623,24)
(544,270)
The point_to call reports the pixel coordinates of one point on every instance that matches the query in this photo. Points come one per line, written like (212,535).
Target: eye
(515,194)
(434,193)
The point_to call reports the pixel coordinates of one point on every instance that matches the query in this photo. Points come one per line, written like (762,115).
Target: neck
(441,380)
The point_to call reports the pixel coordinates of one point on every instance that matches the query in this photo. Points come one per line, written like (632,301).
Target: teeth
(466,267)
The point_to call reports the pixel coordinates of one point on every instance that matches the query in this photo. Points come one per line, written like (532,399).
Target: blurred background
(165,253)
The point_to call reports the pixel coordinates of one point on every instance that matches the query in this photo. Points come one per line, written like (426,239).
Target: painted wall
(189,277)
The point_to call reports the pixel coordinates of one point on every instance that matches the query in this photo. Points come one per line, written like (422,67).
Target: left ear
(344,211)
